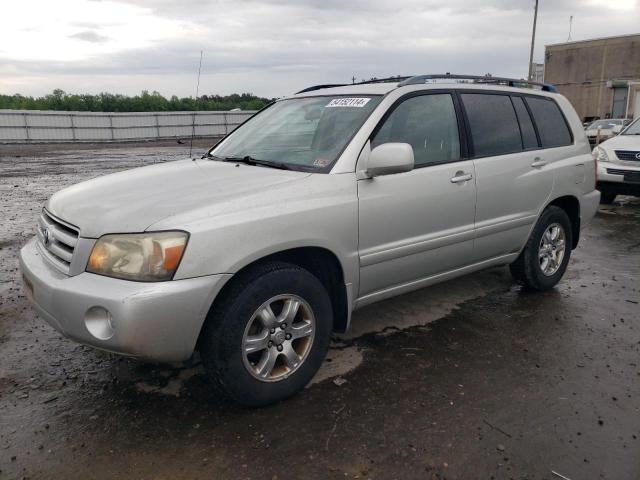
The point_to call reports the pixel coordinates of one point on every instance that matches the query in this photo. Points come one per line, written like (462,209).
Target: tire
(238,318)
(607,198)
(528,269)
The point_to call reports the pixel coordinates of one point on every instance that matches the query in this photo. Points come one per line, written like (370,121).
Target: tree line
(145,102)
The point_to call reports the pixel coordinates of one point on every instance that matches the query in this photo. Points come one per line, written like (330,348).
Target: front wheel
(268,335)
(545,257)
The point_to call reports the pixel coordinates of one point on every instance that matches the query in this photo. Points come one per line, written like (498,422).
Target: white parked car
(325,201)
(619,164)
(601,130)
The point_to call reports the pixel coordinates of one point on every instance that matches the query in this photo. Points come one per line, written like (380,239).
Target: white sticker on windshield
(348,102)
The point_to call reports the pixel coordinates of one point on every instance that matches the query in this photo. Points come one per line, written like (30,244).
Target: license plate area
(632,177)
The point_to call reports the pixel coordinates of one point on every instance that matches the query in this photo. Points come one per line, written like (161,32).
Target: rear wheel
(545,257)
(268,335)
(607,198)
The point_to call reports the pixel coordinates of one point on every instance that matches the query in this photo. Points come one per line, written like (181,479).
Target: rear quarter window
(552,127)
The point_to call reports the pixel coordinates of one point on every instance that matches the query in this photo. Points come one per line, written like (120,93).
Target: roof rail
(399,78)
(319,87)
(511,82)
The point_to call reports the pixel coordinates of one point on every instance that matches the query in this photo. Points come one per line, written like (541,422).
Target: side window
(428,123)
(493,123)
(529,139)
(552,127)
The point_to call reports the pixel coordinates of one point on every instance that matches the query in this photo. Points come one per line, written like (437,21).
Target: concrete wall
(585,71)
(32,126)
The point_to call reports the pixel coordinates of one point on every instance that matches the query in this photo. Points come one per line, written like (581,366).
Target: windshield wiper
(249,160)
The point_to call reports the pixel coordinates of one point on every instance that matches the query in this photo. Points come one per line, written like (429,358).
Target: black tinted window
(529,139)
(429,124)
(552,127)
(493,123)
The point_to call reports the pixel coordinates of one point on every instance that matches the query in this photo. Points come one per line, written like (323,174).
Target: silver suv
(323,202)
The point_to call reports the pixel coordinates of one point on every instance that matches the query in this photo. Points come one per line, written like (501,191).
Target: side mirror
(390,158)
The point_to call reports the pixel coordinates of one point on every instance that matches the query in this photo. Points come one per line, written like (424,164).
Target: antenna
(193,124)
(570,26)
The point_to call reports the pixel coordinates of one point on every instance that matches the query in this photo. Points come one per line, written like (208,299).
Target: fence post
(111,127)
(157,125)
(226,124)
(73,127)
(26,126)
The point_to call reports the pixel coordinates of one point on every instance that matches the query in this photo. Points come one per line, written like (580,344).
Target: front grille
(58,240)
(628,155)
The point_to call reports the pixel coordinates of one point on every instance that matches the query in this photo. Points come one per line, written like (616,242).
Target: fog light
(99,323)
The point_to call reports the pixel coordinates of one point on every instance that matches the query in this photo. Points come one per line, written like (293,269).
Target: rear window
(552,127)
(493,123)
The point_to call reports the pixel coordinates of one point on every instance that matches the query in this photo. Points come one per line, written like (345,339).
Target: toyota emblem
(46,236)
(638,156)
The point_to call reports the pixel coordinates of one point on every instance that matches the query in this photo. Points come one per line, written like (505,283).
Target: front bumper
(155,321)
(619,178)
(589,203)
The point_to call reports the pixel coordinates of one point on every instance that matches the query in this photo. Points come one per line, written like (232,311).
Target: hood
(132,200)
(603,132)
(622,142)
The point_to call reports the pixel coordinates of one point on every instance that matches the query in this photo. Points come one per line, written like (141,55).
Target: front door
(420,223)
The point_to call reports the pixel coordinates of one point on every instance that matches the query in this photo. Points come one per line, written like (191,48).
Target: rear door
(417,224)
(514,179)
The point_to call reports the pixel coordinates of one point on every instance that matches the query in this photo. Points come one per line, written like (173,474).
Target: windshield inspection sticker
(321,162)
(348,102)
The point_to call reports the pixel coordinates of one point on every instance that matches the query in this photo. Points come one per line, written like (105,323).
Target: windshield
(604,124)
(633,129)
(302,133)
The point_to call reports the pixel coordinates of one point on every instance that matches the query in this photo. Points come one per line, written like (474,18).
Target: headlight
(144,257)
(600,155)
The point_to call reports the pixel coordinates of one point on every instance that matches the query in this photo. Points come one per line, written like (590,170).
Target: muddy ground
(471,379)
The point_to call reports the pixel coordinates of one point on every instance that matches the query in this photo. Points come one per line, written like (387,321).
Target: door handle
(538,162)
(461,177)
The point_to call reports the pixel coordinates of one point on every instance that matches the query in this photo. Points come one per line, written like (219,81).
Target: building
(600,77)
(538,72)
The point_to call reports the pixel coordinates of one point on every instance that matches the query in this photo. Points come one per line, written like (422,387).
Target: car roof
(427,82)
(384,88)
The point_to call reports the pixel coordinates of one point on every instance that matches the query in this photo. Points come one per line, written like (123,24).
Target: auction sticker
(348,102)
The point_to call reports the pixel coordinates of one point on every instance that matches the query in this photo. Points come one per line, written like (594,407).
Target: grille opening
(628,155)
(58,240)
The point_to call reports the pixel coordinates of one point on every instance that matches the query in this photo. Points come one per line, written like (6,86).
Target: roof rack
(320,87)
(510,82)
(419,79)
(399,78)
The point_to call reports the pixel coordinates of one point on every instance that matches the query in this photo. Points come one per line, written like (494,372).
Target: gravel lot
(474,378)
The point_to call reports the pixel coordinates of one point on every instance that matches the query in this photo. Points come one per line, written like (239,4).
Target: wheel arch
(571,205)
(321,262)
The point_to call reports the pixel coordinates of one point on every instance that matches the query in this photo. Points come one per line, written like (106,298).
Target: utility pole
(533,41)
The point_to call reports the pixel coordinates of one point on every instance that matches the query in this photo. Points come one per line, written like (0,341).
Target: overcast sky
(274,47)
